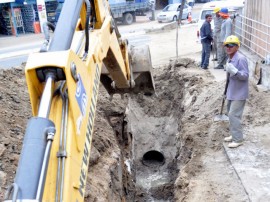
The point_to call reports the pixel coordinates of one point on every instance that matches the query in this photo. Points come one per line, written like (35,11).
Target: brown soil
(14,113)
(183,91)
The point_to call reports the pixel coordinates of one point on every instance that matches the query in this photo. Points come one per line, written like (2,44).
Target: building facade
(25,16)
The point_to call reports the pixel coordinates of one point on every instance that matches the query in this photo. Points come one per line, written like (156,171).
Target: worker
(206,39)
(226,30)
(153,8)
(217,44)
(237,92)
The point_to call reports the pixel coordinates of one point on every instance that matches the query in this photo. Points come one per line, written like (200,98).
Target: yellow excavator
(63,84)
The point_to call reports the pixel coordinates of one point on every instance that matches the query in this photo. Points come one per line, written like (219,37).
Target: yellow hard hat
(217,9)
(232,40)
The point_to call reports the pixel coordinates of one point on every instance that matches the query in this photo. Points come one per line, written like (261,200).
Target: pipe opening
(153,159)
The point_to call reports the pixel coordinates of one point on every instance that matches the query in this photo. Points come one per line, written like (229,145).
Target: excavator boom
(63,84)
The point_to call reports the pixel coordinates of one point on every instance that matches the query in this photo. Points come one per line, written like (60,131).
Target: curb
(169,26)
(18,53)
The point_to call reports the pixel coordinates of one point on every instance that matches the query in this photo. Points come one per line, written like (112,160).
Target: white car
(171,13)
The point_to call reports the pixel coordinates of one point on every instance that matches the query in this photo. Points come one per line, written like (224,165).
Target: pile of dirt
(202,171)
(205,174)
(14,113)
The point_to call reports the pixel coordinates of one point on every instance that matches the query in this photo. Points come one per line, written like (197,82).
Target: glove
(230,68)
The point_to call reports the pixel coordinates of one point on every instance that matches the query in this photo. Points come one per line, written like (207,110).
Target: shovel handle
(227,83)
(222,105)
(225,92)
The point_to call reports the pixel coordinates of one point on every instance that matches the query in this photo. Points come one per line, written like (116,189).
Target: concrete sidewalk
(13,41)
(11,46)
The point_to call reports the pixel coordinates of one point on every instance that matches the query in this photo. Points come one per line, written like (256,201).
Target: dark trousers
(206,49)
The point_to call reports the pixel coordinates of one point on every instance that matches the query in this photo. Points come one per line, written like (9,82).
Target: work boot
(204,67)
(234,144)
(228,139)
(219,67)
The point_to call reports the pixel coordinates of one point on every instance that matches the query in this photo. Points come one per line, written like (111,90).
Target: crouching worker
(237,93)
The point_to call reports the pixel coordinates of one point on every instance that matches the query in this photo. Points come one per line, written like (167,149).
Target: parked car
(171,13)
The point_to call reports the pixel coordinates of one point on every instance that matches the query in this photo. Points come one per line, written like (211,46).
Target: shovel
(221,116)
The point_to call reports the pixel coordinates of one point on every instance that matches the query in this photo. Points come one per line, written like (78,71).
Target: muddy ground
(194,155)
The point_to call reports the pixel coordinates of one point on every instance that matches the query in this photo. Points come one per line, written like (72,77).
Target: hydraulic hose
(88,13)
(46,26)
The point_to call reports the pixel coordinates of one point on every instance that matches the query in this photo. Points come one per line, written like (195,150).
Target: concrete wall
(259,73)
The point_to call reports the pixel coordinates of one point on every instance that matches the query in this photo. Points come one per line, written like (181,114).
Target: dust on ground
(190,95)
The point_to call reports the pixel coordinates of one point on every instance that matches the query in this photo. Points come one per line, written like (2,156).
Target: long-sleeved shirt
(217,28)
(206,32)
(226,29)
(238,83)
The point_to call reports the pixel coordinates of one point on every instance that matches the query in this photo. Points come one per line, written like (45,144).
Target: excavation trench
(154,150)
(149,137)
(147,148)
(140,159)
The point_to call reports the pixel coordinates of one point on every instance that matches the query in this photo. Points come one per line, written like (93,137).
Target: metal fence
(253,33)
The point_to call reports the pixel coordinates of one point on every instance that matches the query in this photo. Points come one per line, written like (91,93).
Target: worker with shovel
(237,91)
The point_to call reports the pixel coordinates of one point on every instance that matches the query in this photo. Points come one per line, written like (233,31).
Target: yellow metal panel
(102,11)
(80,127)
(78,161)
(119,71)
(103,44)
(36,61)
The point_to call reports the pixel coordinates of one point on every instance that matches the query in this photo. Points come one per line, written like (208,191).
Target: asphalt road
(16,53)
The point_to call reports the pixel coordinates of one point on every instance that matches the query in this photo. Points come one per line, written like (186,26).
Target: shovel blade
(221,117)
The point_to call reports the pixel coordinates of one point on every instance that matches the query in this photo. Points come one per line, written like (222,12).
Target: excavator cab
(63,82)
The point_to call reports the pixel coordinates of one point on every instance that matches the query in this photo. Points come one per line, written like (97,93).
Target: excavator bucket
(141,66)
(141,73)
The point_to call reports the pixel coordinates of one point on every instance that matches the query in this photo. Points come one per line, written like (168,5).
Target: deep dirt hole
(149,136)
(145,129)
(175,123)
